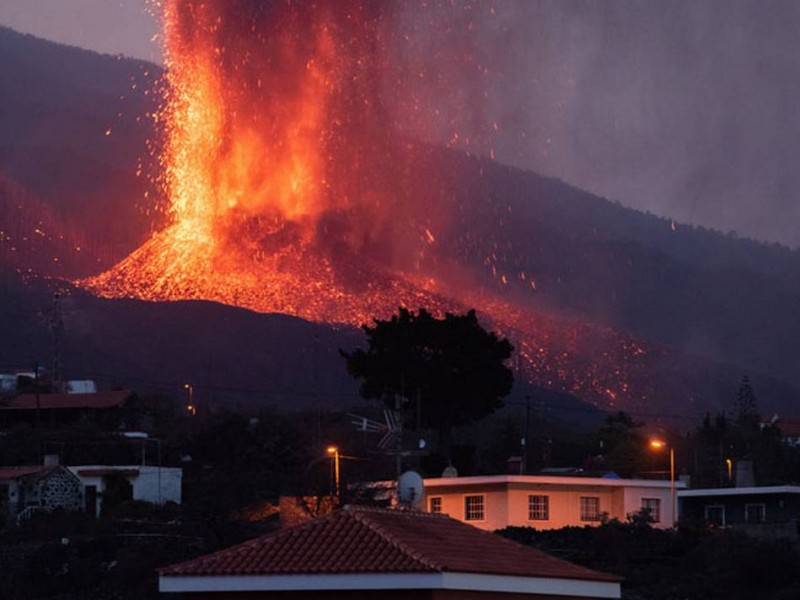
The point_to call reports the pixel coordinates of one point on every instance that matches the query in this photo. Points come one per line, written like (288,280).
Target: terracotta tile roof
(55,401)
(368,540)
(789,427)
(9,473)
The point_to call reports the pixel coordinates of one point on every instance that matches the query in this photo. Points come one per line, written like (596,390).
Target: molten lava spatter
(278,166)
(292,191)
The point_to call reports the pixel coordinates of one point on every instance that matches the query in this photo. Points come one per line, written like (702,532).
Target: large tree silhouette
(445,372)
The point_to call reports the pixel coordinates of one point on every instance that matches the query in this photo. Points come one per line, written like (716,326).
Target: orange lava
(273,142)
(282,177)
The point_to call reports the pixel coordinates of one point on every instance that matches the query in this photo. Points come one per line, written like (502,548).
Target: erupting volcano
(280,168)
(294,185)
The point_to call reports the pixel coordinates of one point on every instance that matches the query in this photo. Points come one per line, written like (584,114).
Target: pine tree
(745,407)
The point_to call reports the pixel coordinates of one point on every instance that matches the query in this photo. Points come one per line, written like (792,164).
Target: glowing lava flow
(273,160)
(291,192)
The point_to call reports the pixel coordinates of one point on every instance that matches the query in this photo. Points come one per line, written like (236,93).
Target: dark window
(653,508)
(473,508)
(715,514)
(436,504)
(590,508)
(755,513)
(538,508)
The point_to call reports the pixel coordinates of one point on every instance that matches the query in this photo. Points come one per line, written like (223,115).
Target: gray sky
(109,26)
(686,108)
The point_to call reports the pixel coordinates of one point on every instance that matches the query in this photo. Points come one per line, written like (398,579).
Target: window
(435,505)
(755,513)
(653,508)
(473,508)
(590,508)
(715,514)
(538,508)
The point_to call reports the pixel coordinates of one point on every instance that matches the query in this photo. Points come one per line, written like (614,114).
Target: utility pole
(526,439)
(36,390)
(399,414)
(57,325)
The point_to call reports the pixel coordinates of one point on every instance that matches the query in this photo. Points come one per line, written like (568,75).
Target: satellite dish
(409,489)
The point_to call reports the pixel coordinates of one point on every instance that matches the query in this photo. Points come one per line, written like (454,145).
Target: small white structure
(548,502)
(8,383)
(81,386)
(155,484)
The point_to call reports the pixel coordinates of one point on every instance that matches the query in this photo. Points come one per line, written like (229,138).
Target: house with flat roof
(359,553)
(549,502)
(149,483)
(761,511)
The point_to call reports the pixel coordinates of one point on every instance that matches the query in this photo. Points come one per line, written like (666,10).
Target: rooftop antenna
(409,489)
(391,429)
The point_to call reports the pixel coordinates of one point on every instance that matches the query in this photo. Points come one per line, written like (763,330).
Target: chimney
(51,460)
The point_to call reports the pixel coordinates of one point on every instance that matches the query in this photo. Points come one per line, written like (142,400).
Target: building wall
(372,595)
(779,508)
(57,490)
(564,506)
(506,504)
(61,489)
(158,485)
(632,503)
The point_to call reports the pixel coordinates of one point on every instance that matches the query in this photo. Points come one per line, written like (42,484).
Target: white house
(155,484)
(548,502)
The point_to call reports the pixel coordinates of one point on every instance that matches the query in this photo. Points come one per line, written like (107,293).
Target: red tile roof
(55,401)
(369,540)
(789,427)
(9,473)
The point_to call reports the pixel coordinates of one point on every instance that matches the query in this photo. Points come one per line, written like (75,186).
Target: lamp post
(334,452)
(190,395)
(660,445)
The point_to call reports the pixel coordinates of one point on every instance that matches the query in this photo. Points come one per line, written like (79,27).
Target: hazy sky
(109,26)
(687,108)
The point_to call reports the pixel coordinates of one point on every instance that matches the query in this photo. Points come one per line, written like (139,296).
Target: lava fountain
(278,166)
(293,186)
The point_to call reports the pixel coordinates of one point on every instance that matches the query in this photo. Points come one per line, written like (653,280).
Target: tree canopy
(450,371)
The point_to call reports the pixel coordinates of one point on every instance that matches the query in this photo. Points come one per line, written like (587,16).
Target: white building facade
(549,502)
(154,484)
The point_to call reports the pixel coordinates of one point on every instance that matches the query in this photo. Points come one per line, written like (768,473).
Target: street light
(661,445)
(190,394)
(334,452)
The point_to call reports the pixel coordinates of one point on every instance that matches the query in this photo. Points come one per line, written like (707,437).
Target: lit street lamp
(190,395)
(660,445)
(334,452)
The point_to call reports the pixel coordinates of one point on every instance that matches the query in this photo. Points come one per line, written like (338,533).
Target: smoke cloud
(685,109)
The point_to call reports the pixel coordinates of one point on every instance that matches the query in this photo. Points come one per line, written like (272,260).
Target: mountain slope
(712,307)
(73,133)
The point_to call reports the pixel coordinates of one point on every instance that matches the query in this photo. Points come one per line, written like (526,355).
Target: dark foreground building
(359,553)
